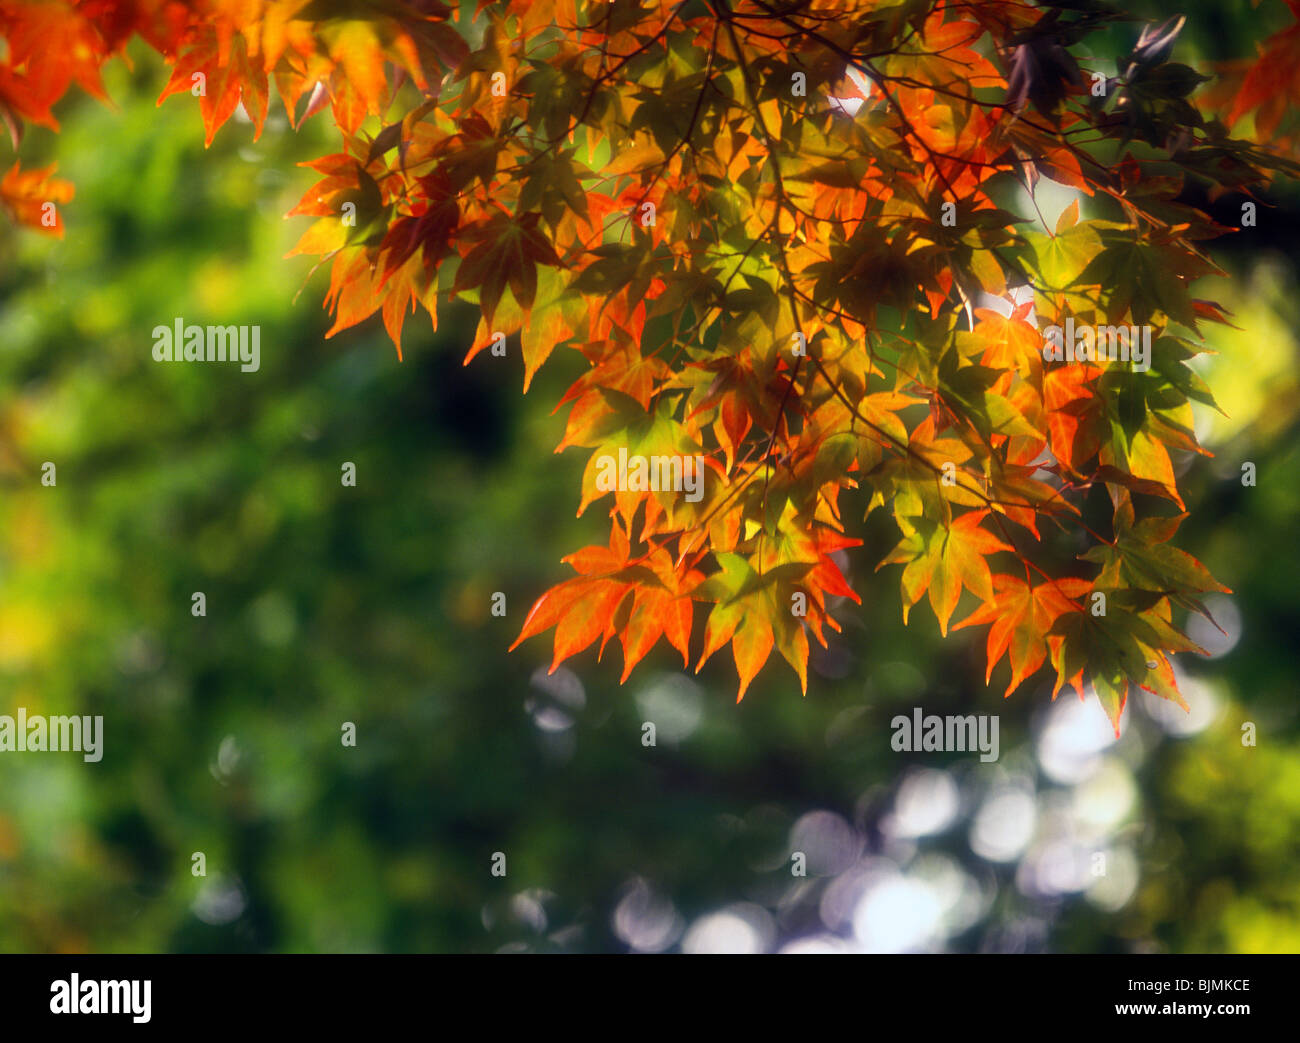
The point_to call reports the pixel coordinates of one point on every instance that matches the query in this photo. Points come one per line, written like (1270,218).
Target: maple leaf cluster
(785,239)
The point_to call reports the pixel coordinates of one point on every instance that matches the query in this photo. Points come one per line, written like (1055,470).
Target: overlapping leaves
(814,290)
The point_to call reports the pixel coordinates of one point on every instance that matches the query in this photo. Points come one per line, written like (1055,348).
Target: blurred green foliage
(329,604)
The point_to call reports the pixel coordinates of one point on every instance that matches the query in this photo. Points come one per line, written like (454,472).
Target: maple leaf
(220,66)
(1275,76)
(1140,558)
(507,253)
(30,197)
(581,608)
(1021,617)
(585,608)
(1114,650)
(944,559)
(751,613)
(30,82)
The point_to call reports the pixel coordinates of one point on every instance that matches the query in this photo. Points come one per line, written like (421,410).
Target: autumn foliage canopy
(800,240)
